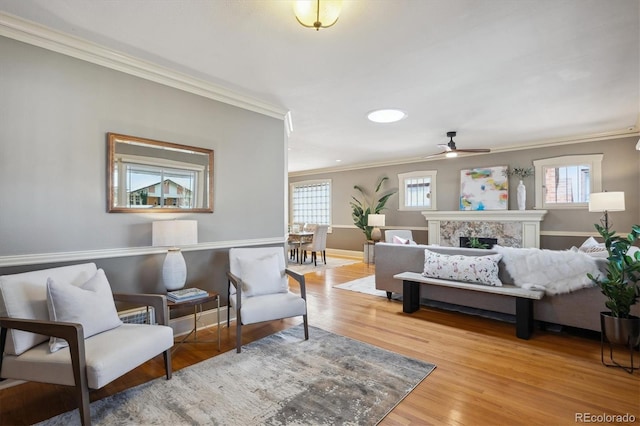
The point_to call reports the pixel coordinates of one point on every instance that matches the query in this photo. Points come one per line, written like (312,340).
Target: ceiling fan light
(316,13)
(386,115)
(451,154)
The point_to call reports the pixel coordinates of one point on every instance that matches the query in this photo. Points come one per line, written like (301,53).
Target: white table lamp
(606,202)
(172,234)
(375,220)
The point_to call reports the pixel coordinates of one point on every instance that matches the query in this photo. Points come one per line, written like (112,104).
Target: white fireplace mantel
(530,220)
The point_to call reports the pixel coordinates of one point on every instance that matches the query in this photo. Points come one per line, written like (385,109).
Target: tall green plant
(361,209)
(621,285)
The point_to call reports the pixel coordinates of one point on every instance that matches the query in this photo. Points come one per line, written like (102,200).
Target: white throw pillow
(262,276)
(471,269)
(90,304)
(590,245)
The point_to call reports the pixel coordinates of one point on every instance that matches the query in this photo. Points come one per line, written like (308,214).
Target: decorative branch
(521,172)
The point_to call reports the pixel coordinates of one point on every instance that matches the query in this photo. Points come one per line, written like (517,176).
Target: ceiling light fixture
(314,14)
(386,115)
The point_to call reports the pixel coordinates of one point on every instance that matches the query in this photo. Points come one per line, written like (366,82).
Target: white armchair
(259,289)
(402,234)
(98,347)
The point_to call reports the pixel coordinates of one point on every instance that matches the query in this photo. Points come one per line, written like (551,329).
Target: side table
(197,308)
(369,252)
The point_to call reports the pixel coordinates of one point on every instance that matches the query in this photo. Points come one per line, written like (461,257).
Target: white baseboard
(184,325)
(9,383)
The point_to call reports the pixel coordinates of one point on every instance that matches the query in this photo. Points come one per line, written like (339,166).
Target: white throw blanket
(553,271)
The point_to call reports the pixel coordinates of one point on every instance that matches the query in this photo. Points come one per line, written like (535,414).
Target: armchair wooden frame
(237,283)
(74,335)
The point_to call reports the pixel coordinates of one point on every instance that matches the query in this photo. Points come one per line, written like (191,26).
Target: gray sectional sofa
(577,309)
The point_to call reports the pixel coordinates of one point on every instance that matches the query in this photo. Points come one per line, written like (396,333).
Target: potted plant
(360,210)
(621,286)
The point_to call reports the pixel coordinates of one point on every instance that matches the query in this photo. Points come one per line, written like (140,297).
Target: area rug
(332,262)
(363,285)
(278,380)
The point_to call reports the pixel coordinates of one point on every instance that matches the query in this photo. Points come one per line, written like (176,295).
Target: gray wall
(55,112)
(621,172)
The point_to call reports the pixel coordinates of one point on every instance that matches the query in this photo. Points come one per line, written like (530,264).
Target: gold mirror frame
(149,176)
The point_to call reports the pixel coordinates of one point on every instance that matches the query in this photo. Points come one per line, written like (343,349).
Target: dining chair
(317,244)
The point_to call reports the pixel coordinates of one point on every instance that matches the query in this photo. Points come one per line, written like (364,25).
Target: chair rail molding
(42,258)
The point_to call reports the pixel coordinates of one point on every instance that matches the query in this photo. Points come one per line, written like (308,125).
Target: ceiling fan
(450,149)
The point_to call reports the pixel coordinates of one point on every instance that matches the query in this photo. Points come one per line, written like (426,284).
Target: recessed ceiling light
(386,115)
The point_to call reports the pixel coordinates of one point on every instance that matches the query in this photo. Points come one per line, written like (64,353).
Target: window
(311,202)
(567,182)
(417,190)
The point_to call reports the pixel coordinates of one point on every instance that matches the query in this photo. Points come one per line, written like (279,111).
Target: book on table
(186,294)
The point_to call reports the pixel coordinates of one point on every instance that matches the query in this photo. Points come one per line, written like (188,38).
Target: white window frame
(294,185)
(594,161)
(431,174)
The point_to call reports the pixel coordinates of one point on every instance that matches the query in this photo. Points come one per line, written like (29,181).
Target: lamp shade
(317,13)
(375,220)
(606,202)
(174,233)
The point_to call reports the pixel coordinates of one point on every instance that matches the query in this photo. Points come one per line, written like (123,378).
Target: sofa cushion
(24,296)
(471,269)
(90,304)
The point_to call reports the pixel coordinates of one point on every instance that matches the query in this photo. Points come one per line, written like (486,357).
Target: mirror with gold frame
(151,176)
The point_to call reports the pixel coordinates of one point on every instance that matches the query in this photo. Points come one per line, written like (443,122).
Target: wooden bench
(411,282)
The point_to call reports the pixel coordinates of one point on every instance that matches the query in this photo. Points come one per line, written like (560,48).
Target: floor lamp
(606,202)
(172,234)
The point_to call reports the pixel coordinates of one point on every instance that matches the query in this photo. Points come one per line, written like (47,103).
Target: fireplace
(478,242)
(512,228)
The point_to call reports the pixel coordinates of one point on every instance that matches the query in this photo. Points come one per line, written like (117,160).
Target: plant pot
(621,331)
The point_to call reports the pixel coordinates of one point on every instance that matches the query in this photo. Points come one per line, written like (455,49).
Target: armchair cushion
(108,356)
(90,304)
(24,295)
(262,275)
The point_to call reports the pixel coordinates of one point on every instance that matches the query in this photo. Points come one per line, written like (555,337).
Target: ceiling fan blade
(435,155)
(474,150)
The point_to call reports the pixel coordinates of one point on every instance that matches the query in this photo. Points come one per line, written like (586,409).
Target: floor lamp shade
(376,220)
(606,202)
(172,234)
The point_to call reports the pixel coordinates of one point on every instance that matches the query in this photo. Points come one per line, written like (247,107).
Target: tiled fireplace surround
(512,228)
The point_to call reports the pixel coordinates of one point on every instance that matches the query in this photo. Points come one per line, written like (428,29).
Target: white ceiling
(503,73)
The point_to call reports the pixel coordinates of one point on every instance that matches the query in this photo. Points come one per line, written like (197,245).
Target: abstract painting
(484,188)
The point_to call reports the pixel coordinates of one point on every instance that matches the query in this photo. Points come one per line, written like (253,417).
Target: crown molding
(618,134)
(38,35)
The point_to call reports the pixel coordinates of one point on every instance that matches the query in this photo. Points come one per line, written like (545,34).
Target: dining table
(299,238)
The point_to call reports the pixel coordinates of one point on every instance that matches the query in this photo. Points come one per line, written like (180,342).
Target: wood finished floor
(484,374)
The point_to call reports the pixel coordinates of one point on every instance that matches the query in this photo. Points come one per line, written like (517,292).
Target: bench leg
(524,318)
(410,296)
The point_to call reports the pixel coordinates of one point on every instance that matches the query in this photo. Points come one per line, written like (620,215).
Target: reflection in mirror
(146,175)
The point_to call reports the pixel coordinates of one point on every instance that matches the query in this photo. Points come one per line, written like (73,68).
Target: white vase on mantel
(521,195)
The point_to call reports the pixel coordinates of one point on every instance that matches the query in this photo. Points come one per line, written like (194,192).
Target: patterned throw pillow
(471,269)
